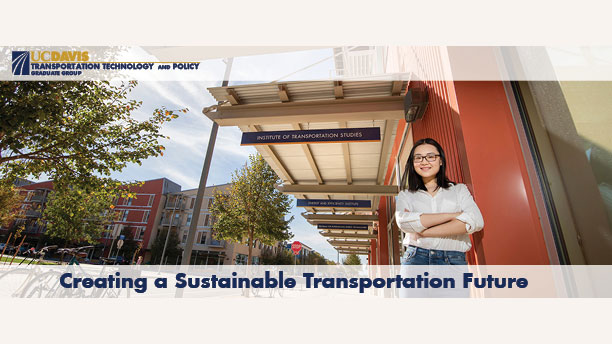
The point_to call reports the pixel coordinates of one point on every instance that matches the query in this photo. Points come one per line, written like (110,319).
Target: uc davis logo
(21,63)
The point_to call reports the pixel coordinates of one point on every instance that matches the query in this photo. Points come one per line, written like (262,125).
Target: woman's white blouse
(456,198)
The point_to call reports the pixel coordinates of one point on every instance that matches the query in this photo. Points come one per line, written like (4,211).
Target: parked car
(22,250)
(9,249)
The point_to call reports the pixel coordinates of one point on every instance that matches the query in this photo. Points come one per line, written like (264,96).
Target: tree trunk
(250,246)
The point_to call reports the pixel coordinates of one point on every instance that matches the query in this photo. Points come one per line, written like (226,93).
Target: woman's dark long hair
(411,179)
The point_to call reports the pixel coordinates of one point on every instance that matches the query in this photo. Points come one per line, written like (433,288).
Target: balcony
(209,244)
(175,222)
(174,205)
(39,198)
(217,243)
(34,229)
(32,213)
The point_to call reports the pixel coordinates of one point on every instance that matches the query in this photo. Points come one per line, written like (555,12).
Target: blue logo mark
(21,63)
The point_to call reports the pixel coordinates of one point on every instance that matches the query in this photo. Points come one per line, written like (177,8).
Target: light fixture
(415,102)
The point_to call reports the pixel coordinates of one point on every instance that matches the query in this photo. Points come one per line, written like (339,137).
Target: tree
(75,129)
(10,202)
(172,249)
(351,259)
(78,215)
(252,209)
(281,257)
(77,133)
(315,258)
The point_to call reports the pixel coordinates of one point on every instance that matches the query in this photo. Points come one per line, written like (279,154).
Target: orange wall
(499,180)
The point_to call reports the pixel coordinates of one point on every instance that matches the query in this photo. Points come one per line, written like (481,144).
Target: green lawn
(7,258)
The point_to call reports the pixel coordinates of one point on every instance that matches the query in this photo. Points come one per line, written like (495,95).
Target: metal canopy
(308,91)
(363,252)
(369,190)
(348,235)
(341,171)
(316,111)
(348,219)
(349,243)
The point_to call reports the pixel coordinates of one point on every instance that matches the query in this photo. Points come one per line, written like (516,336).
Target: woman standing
(436,214)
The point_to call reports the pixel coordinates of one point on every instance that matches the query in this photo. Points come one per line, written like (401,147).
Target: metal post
(198,203)
(110,251)
(180,199)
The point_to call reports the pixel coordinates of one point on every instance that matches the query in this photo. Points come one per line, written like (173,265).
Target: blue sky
(184,155)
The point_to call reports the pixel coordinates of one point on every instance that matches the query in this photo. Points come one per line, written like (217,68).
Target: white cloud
(174,174)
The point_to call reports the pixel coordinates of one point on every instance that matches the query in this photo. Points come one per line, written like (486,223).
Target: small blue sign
(334,203)
(121,237)
(341,226)
(311,136)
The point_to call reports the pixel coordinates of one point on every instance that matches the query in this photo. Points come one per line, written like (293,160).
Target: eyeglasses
(429,157)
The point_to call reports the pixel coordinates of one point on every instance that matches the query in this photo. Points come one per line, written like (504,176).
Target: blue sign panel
(341,226)
(311,136)
(334,203)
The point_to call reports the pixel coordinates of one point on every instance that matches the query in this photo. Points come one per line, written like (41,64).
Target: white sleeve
(470,213)
(407,221)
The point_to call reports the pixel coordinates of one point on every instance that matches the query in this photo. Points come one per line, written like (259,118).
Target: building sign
(334,203)
(341,226)
(311,136)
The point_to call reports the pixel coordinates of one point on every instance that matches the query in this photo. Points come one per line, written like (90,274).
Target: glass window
(590,105)
(125,215)
(241,259)
(145,216)
(568,125)
(151,199)
(201,238)
(188,219)
(139,233)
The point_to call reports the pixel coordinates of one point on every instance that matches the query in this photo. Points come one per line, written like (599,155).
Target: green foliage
(282,257)
(252,208)
(10,202)
(75,130)
(77,214)
(76,133)
(351,259)
(172,249)
(315,259)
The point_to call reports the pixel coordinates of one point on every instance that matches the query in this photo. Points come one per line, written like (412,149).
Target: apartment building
(136,216)
(35,200)
(207,250)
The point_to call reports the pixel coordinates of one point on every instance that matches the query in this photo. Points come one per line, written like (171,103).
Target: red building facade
(135,217)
